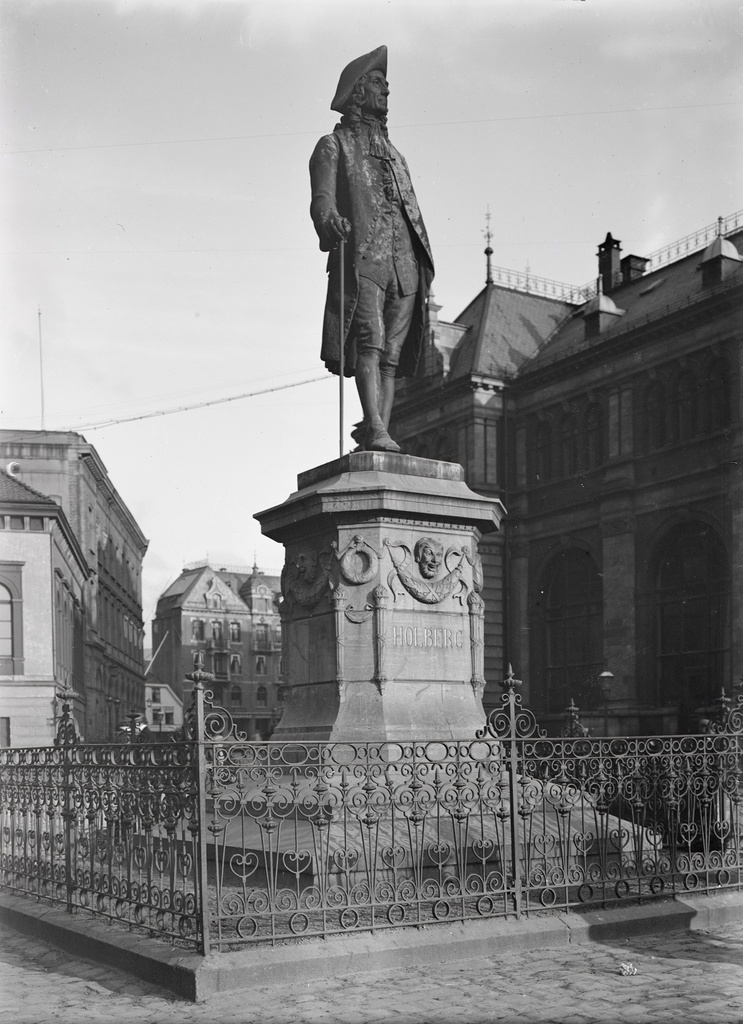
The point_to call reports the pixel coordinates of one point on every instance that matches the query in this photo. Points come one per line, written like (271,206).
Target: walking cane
(342,339)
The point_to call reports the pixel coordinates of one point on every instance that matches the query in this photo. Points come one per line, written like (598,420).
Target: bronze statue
(362,194)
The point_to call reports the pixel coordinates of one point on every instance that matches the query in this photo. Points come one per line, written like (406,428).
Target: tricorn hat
(374,61)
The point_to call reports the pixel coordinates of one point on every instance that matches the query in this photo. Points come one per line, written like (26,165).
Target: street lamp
(605,681)
(113,704)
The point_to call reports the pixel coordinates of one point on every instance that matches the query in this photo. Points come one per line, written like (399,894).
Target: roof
(239,583)
(674,285)
(14,490)
(180,587)
(506,328)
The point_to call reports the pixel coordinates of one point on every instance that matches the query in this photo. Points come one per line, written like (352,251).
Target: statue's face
(376,91)
(428,562)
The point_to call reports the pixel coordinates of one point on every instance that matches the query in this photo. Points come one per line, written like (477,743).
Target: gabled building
(609,421)
(225,622)
(163,712)
(63,467)
(44,580)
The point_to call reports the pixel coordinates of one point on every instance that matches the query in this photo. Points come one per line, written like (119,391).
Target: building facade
(67,470)
(43,591)
(224,622)
(609,421)
(163,712)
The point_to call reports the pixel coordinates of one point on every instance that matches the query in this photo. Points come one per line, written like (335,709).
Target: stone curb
(195,978)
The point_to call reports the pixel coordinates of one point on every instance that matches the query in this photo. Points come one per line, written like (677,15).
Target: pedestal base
(381,613)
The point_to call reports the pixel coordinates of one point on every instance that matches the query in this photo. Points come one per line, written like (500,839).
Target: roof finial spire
(488,251)
(719,227)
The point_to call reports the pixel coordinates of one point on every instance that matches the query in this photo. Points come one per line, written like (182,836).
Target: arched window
(261,696)
(6,624)
(692,600)
(594,437)
(569,445)
(687,407)
(718,396)
(573,616)
(655,416)
(543,453)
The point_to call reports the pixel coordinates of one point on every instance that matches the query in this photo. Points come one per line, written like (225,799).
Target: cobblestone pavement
(685,978)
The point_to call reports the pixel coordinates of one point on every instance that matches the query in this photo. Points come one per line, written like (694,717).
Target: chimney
(600,313)
(633,267)
(609,263)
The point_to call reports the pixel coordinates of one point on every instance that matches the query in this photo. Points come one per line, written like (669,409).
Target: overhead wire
(420,124)
(194,405)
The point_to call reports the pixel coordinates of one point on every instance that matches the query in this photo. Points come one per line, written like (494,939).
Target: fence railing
(215,843)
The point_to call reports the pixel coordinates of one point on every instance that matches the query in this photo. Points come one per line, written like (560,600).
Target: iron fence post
(66,737)
(510,683)
(198,738)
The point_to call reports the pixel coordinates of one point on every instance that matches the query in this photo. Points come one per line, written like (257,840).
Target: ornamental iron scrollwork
(511,721)
(67,733)
(218,841)
(206,720)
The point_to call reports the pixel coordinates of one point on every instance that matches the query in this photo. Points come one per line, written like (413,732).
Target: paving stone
(694,978)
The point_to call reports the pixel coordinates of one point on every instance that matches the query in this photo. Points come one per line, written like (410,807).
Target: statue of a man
(362,193)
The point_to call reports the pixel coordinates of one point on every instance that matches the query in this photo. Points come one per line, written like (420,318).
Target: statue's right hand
(336,228)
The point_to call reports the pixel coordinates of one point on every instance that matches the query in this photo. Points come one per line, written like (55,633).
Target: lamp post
(133,717)
(605,680)
(113,706)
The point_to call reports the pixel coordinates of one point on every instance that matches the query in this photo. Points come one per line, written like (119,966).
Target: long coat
(345,177)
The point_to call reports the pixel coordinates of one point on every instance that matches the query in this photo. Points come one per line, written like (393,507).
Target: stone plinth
(382,618)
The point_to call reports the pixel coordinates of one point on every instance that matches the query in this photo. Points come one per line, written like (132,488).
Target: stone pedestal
(382,616)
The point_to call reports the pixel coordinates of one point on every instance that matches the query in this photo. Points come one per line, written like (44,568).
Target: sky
(155,207)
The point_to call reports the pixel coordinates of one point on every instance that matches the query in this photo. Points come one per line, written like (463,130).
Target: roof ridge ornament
(488,249)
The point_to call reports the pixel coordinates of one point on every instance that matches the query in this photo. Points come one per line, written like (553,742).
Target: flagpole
(41,373)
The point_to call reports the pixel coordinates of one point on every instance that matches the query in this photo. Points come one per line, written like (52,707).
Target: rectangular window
(197,629)
(169,718)
(4,732)
(16,522)
(6,629)
(155,694)
(36,523)
(260,665)
(234,631)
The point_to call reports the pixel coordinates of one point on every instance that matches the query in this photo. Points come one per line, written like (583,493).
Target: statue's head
(429,554)
(355,89)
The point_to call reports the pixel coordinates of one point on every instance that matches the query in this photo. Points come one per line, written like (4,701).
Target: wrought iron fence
(217,842)
(110,829)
